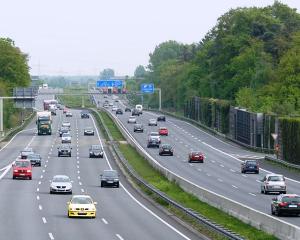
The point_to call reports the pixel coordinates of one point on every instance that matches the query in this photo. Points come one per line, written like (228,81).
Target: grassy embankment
(76,100)
(152,176)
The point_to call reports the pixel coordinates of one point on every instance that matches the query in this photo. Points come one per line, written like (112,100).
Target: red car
(163,131)
(22,169)
(65,110)
(196,156)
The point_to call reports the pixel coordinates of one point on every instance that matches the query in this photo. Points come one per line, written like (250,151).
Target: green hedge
(290,139)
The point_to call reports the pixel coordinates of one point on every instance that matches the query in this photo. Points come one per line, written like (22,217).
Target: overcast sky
(77,37)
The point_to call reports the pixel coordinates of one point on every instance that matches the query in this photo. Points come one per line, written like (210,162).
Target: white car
(69,114)
(152,122)
(273,183)
(110,104)
(155,135)
(66,124)
(114,108)
(66,138)
(131,119)
(61,184)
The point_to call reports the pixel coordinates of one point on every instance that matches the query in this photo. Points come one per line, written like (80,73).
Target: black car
(64,151)
(35,159)
(127,109)
(161,118)
(250,166)
(63,130)
(85,114)
(135,112)
(89,131)
(96,151)
(119,111)
(153,142)
(138,127)
(286,203)
(166,149)
(109,178)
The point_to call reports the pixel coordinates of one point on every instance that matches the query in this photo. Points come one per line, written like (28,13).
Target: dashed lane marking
(38,197)
(51,236)
(104,221)
(40,207)
(119,236)
(44,220)
(234,186)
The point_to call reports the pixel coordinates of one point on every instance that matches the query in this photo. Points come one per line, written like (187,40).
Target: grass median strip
(172,190)
(75,101)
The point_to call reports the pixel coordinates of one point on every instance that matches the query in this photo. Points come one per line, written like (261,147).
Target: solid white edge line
(132,197)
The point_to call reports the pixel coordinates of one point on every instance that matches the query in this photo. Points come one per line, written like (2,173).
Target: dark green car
(286,203)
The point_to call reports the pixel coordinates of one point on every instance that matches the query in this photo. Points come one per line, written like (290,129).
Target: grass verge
(172,190)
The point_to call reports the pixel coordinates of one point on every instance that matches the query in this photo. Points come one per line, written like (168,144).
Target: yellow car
(82,206)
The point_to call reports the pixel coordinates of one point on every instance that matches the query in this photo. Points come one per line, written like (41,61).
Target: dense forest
(251,58)
(14,72)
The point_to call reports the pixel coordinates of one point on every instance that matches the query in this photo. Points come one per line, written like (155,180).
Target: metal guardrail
(291,165)
(189,212)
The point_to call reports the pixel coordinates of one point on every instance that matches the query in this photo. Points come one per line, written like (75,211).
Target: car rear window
(291,199)
(251,163)
(81,200)
(275,178)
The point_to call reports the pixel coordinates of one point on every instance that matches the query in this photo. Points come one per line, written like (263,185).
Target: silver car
(273,183)
(61,184)
(152,122)
(131,119)
(66,124)
(66,138)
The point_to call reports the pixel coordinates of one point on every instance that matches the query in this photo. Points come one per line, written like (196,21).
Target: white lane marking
(213,161)
(77,162)
(38,197)
(252,194)
(82,190)
(77,166)
(221,165)
(258,181)
(220,180)
(42,176)
(234,186)
(40,182)
(40,207)
(37,189)
(208,174)
(45,165)
(103,220)
(78,171)
(43,170)
(119,236)
(44,220)
(199,169)
(25,130)
(232,170)
(51,236)
(78,177)
(8,167)
(244,175)
(132,197)
(80,183)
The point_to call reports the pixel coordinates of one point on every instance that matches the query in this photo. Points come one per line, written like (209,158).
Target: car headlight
(116,179)
(28,170)
(15,170)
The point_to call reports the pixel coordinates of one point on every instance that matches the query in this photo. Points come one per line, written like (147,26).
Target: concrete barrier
(255,218)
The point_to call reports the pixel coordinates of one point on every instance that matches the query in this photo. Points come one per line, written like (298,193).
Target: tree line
(14,72)
(251,58)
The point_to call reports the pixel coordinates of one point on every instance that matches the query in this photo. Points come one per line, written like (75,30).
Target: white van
(139,107)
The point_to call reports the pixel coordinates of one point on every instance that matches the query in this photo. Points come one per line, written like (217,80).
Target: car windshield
(88,128)
(131,117)
(61,179)
(163,128)
(196,153)
(154,134)
(291,199)
(96,147)
(110,174)
(251,163)
(66,135)
(27,150)
(152,120)
(82,200)
(65,147)
(34,156)
(22,164)
(138,125)
(166,146)
(276,178)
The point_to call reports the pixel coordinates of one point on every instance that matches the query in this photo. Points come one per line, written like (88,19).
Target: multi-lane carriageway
(220,172)
(28,211)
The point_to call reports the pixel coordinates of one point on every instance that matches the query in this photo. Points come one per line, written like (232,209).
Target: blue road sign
(110,83)
(147,88)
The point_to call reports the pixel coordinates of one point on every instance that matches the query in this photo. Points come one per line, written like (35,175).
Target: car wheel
(242,171)
(51,192)
(14,177)
(102,184)
(261,190)
(171,154)
(117,185)
(69,216)
(257,172)
(160,154)
(272,210)
(70,155)
(29,178)
(90,156)
(278,213)
(284,192)
(70,193)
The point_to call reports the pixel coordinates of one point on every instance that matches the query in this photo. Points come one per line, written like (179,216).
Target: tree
(140,72)
(14,70)
(107,74)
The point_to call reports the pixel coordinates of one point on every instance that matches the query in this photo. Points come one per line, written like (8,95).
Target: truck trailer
(43,122)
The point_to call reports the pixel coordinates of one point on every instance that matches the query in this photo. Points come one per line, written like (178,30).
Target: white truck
(139,107)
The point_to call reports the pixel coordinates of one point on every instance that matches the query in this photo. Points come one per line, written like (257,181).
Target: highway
(220,173)
(28,211)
